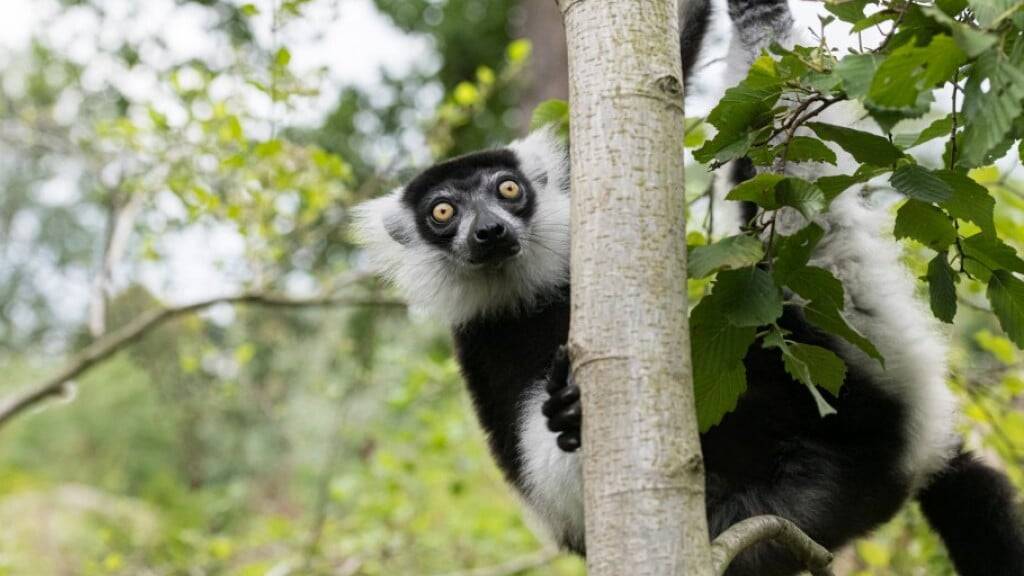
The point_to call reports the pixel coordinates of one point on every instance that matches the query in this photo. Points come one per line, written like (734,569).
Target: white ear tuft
(383,226)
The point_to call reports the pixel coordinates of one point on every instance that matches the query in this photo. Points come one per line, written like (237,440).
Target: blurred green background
(158,153)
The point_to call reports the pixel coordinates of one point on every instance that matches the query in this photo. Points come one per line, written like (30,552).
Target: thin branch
(811,555)
(512,567)
(113,342)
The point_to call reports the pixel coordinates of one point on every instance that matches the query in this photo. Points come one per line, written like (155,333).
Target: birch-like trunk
(643,471)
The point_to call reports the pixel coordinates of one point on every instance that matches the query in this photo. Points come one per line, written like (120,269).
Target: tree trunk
(643,471)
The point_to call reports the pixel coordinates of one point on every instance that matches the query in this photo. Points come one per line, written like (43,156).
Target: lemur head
(482,233)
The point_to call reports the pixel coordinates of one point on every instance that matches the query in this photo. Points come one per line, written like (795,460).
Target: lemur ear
(382,220)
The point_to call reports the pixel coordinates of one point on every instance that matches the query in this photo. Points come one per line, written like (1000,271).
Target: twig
(126,335)
(745,534)
(512,567)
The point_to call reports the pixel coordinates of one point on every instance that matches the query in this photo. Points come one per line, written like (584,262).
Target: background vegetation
(294,439)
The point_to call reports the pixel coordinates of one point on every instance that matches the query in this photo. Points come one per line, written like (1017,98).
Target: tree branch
(745,534)
(115,341)
(516,566)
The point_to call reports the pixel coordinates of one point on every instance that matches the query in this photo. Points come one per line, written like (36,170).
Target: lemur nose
(490,232)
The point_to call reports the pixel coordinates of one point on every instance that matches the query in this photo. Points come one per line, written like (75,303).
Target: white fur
(880,297)
(552,479)
(434,282)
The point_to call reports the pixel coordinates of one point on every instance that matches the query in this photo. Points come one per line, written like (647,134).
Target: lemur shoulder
(483,241)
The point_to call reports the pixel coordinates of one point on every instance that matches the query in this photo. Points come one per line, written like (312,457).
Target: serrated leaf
(863,146)
(802,195)
(833,186)
(811,366)
(970,201)
(717,351)
(727,254)
(832,320)
(986,253)
(741,112)
(792,252)
(806,149)
(992,102)
(1006,294)
(760,190)
(941,288)
(751,295)
(913,181)
(849,11)
(909,70)
(939,128)
(818,286)
(857,71)
(926,224)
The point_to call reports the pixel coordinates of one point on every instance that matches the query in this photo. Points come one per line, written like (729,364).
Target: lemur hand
(562,408)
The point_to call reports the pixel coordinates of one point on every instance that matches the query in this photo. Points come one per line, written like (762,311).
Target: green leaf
(863,146)
(797,193)
(743,110)
(554,113)
(937,129)
(970,201)
(926,224)
(857,71)
(792,252)
(987,253)
(909,70)
(849,10)
(817,285)
(1006,293)
(831,320)
(283,57)
(833,186)
(717,352)
(753,297)
(913,181)
(941,288)
(827,370)
(874,20)
(806,149)
(760,190)
(727,254)
(992,102)
(519,50)
(988,12)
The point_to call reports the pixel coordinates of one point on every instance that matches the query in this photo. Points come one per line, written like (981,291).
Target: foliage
(772,117)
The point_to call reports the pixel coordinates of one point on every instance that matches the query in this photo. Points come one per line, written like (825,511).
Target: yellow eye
(443,212)
(509,189)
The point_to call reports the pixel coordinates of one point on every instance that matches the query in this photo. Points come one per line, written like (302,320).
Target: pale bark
(643,471)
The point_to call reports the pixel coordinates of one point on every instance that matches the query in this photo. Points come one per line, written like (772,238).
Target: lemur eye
(509,189)
(443,212)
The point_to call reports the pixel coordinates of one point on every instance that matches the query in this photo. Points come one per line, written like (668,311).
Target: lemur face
(476,209)
(478,234)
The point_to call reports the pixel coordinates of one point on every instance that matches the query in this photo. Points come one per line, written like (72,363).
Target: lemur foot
(562,408)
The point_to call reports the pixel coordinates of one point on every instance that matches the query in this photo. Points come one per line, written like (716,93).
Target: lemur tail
(694,16)
(973,508)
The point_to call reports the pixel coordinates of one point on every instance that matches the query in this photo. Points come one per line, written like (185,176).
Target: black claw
(569,441)
(567,420)
(559,376)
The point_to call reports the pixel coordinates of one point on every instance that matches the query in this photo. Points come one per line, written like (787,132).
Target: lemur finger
(558,377)
(559,400)
(569,441)
(566,420)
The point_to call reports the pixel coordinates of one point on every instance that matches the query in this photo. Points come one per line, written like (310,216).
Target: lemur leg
(562,408)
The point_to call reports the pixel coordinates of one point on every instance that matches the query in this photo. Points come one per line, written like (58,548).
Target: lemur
(482,241)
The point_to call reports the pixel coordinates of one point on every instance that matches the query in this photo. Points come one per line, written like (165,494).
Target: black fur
(974,510)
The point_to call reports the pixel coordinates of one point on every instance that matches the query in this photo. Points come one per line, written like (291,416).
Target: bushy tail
(694,16)
(973,508)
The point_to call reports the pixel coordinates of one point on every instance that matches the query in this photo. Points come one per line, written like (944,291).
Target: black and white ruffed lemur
(482,241)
